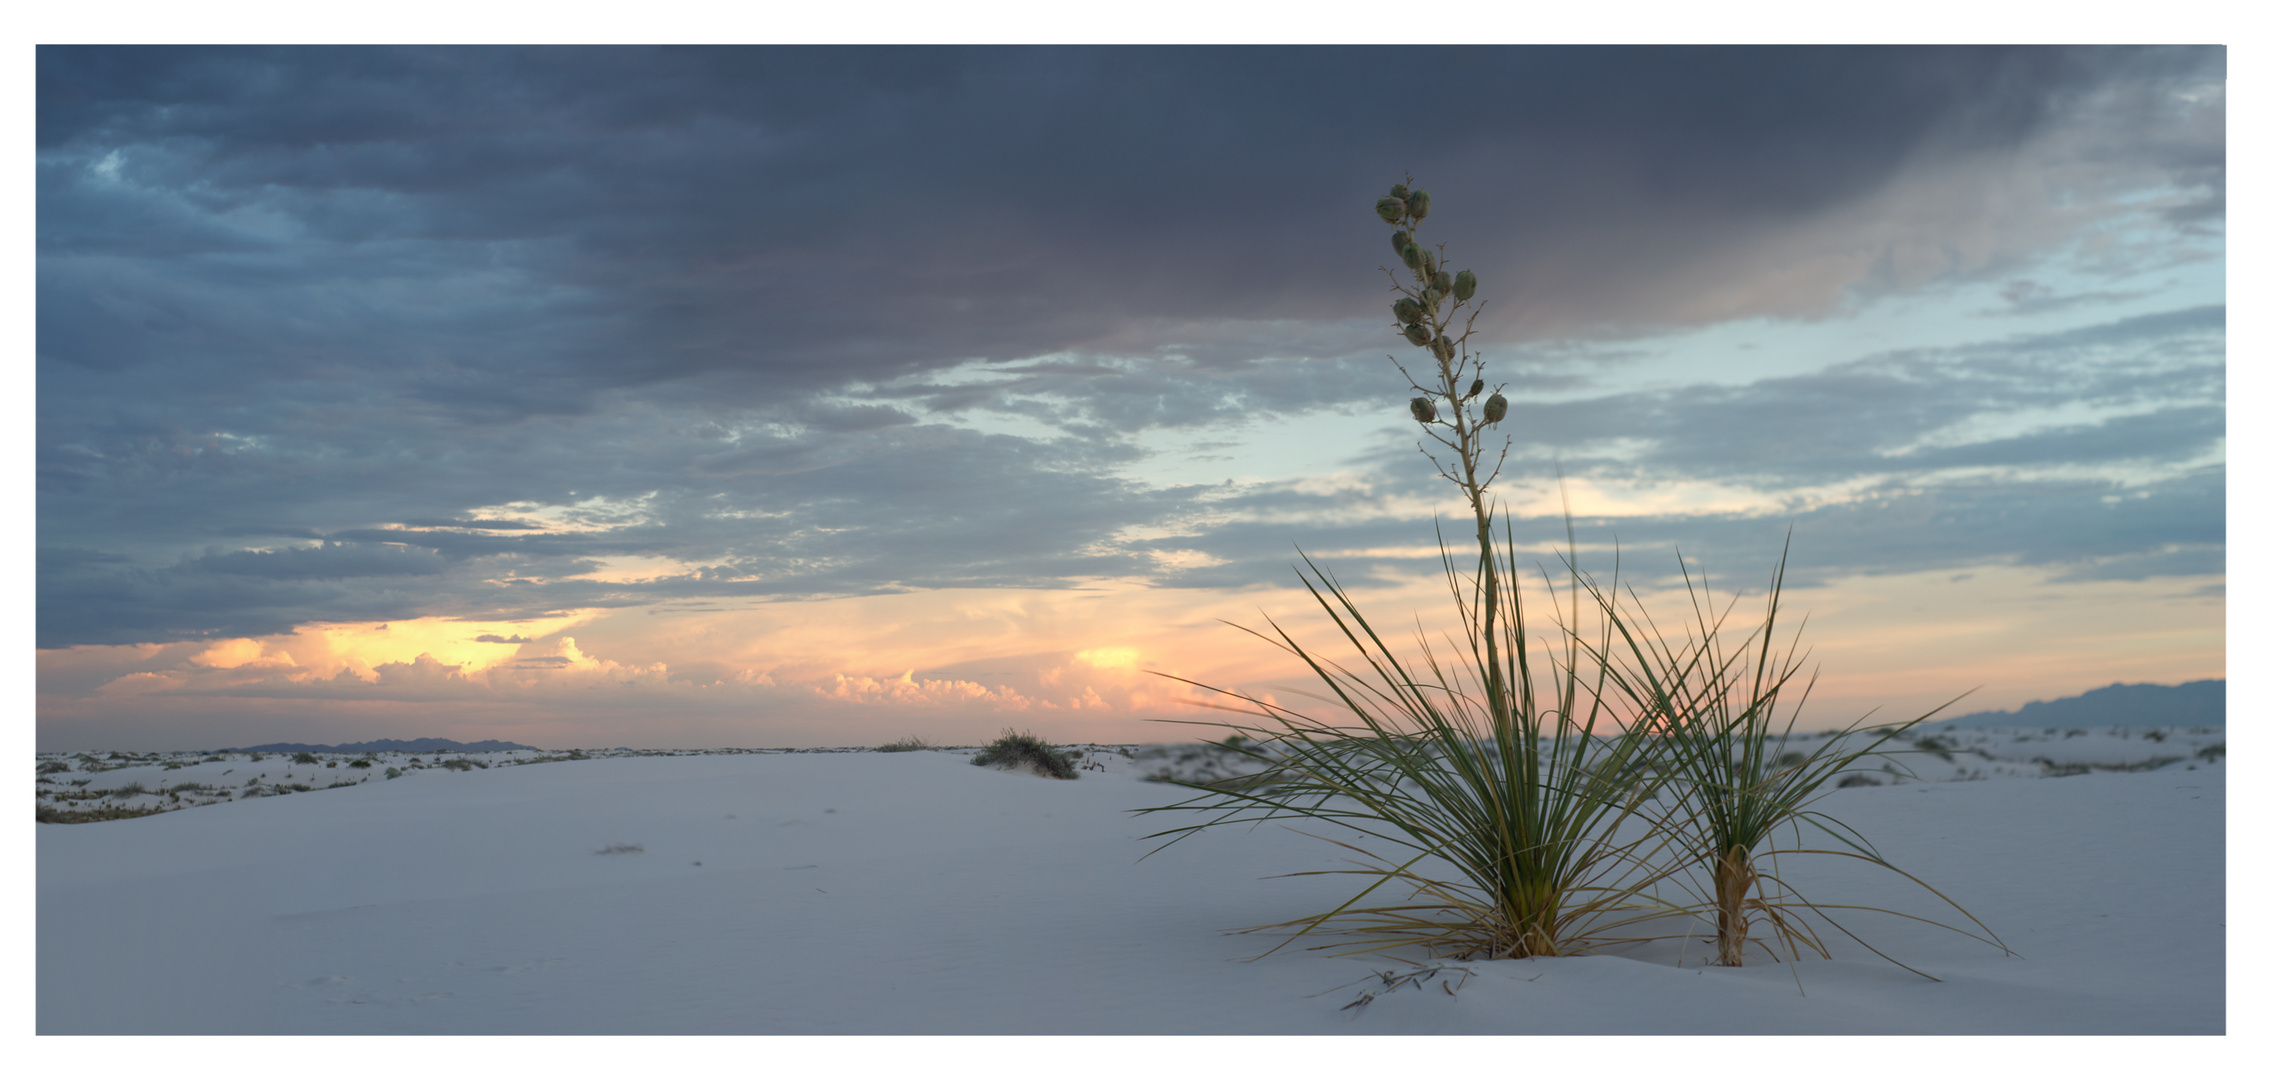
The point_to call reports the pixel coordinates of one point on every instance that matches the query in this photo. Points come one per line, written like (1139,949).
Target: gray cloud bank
(302,312)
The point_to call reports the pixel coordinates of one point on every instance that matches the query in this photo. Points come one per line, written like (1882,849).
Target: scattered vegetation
(905,745)
(304,758)
(620,849)
(51,815)
(1025,750)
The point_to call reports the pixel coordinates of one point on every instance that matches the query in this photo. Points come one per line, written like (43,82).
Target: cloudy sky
(809,396)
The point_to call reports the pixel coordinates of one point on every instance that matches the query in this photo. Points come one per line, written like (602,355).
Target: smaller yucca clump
(1025,750)
(905,745)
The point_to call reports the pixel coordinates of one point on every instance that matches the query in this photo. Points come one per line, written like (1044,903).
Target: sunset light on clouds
(821,396)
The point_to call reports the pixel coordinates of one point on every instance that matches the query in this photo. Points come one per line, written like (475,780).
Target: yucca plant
(1517,831)
(1738,787)
(1536,816)
(1502,804)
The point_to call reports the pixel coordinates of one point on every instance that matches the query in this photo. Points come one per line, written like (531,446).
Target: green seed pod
(1391,209)
(1466,284)
(1430,260)
(1406,310)
(1422,409)
(1493,411)
(1420,204)
(1400,239)
(1431,298)
(1417,334)
(1477,386)
(1443,349)
(1444,283)
(1401,192)
(1412,256)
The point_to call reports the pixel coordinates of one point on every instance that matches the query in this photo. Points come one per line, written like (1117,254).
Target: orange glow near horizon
(957,666)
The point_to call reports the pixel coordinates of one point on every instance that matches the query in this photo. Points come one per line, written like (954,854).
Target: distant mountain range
(381,746)
(2136,705)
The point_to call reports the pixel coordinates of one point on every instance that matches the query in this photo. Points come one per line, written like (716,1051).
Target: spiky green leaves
(1493,409)
(1423,410)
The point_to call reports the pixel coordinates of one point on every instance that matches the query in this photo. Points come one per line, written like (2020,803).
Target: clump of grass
(1024,750)
(905,745)
(621,849)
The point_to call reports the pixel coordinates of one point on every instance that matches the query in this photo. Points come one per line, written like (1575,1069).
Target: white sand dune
(913,893)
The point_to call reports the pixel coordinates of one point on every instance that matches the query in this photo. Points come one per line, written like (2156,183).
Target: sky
(824,396)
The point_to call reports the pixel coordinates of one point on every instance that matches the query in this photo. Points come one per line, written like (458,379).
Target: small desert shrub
(360,763)
(172,765)
(906,745)
(1025,750)
(394,772)
(2209,754)
(304,758)
(47,767)
(620,849)
(464,764)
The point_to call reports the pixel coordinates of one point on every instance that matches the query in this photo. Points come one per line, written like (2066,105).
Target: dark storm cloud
(704,305)
(814,214)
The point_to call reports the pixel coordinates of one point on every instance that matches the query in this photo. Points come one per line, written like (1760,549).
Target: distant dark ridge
(2137,705)
(381,746)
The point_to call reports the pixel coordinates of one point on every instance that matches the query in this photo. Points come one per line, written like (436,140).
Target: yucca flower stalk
(1475,766)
